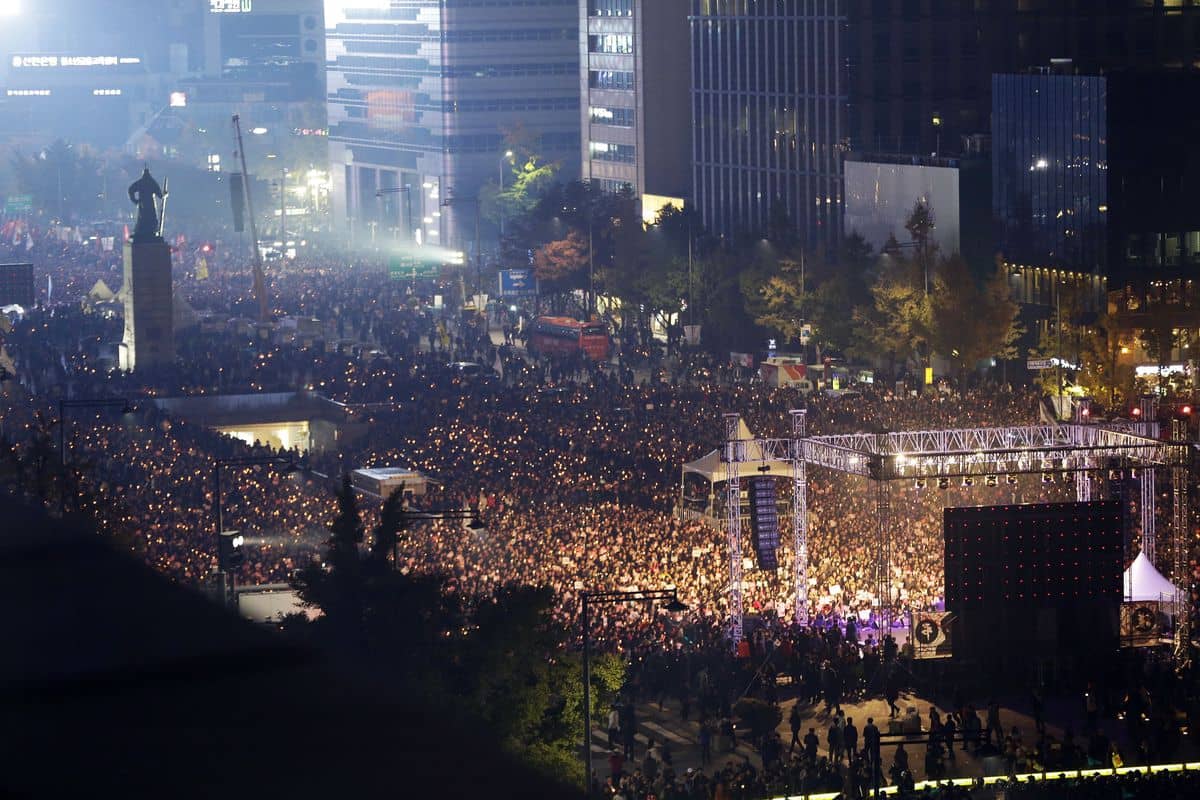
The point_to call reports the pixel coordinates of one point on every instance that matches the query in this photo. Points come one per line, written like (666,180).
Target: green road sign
(411,268)
(18,204)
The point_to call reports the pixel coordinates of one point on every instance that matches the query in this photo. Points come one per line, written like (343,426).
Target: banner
(1140,623)
(741,360)
(691,335)
(931,634)
(202,269)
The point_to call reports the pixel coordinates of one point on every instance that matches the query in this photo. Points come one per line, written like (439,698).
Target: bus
(549,335)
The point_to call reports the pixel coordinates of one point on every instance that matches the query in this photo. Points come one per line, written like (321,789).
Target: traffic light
(229,550)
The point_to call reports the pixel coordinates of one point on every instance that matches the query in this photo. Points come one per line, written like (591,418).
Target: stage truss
(1077,448)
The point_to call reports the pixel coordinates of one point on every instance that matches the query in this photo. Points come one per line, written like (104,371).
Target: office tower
(636,115)
(421,97)
(1096,174)
(767,116)
(919,71)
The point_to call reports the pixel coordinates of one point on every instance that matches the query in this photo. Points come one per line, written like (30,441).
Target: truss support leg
(883,555)
(799,516)
(1180,530)
(1083,485)
(734,455)
(1146,509)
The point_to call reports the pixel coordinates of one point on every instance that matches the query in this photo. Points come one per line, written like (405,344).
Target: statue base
(149,339)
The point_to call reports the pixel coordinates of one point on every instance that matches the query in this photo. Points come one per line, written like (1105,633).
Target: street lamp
(450,202)
(63,405)
(289,467)
(508,156)
(674,605)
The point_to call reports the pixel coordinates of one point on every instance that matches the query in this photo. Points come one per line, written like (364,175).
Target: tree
(779,300)
(391,522)
(1101,375)
(896,323)
(338,591)
(970,323)
(528,176)
(560,260)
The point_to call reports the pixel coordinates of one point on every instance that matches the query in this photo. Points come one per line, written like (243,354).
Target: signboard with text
(517,283)
(18,204)
(230,6)
(41,61)
(412,268)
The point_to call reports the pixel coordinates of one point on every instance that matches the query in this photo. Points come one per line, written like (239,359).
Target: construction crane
(260,288)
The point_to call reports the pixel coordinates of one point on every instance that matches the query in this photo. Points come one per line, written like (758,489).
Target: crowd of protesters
(573,467)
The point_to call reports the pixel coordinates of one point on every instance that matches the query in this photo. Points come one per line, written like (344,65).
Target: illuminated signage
(28,92)
(178,100)
(106,92)
(229,6)
(55,62)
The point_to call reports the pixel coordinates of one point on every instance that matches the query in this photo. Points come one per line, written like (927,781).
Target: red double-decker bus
(549,335)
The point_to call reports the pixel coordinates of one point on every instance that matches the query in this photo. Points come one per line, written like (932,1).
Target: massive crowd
(574,468)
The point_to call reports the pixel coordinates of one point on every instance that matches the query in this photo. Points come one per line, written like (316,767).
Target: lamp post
(63,406)
(671,596)
(288,467)
(455,201)
(508,156)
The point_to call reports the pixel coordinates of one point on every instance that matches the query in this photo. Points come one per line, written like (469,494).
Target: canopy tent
(100,292)
(712,469)
(1144,582)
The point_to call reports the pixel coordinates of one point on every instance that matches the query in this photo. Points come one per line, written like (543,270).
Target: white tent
(1144,582)
(100,292)
(713,469)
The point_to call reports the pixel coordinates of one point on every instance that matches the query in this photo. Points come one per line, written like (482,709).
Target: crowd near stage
(929,547)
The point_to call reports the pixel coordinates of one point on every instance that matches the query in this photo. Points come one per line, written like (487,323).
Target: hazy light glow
(10,8)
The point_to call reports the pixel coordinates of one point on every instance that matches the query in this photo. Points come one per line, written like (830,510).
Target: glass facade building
(911,61)
(768,115)
(421,96)
(1096,174)
(1050,169)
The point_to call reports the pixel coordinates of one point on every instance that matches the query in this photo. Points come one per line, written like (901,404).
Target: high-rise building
(1049,169)
(636,116)
(1096,174)
(767,116)
(920,70)
(422,95)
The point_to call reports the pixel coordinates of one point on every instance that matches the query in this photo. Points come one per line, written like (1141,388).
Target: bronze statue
(149,220)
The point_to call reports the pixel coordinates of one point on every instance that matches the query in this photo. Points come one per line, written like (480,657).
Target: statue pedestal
(149,339)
